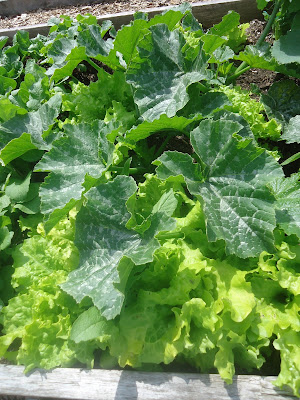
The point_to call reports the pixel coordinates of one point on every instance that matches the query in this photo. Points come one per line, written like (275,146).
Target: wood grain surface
(71,383)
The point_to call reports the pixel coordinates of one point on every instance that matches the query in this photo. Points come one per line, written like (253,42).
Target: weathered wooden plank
(75,384)
(208,13)
(13,7)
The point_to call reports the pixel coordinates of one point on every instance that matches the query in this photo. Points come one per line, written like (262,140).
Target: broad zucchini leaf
(232,185)
(5,237)
(10,64)
(203,105)
(25,132)
(64,54)
(84,150)
(282,101)
(124,46)
(7,85)
(291,133)
(162,72)
(163,124)
(229,23)
(261,57)
(286,49)
(17,188)
(287,194)
(128,37)
(107,248)
(91,39)
(34,89)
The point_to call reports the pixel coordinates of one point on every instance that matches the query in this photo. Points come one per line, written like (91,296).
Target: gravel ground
(104,7)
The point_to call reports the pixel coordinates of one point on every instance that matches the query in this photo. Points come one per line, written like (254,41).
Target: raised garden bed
(114,384)
(15,7)
(73,384)
(208,13)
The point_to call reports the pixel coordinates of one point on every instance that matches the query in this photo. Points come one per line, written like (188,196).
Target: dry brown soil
(103,7)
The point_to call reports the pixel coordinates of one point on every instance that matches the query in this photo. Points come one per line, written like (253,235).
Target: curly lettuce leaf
(41,315)
(192,303)
(289,345)
(88,103)
(252,111)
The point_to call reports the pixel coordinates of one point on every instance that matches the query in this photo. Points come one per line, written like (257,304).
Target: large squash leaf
(25,132)
(231,180)
(84,150)
(108,250)
(287,194)
(162,72)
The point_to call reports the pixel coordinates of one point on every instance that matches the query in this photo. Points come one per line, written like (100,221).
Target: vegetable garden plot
(146,219)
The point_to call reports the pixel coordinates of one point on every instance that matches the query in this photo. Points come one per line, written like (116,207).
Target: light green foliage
(252,111)
(93,102)
(40,314)
(207,310)
(142,221)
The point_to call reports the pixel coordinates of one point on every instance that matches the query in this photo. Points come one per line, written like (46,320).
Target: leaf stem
(162,146)
(269,24)
(291,159)
(132,171)
(238,73)
(169,235)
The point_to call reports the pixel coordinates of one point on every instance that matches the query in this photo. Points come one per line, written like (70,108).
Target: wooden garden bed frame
(207,12)
(82,384)
(97,384)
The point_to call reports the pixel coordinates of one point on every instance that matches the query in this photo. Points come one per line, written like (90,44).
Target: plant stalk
(132,171)
(162,146)
(170,235)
